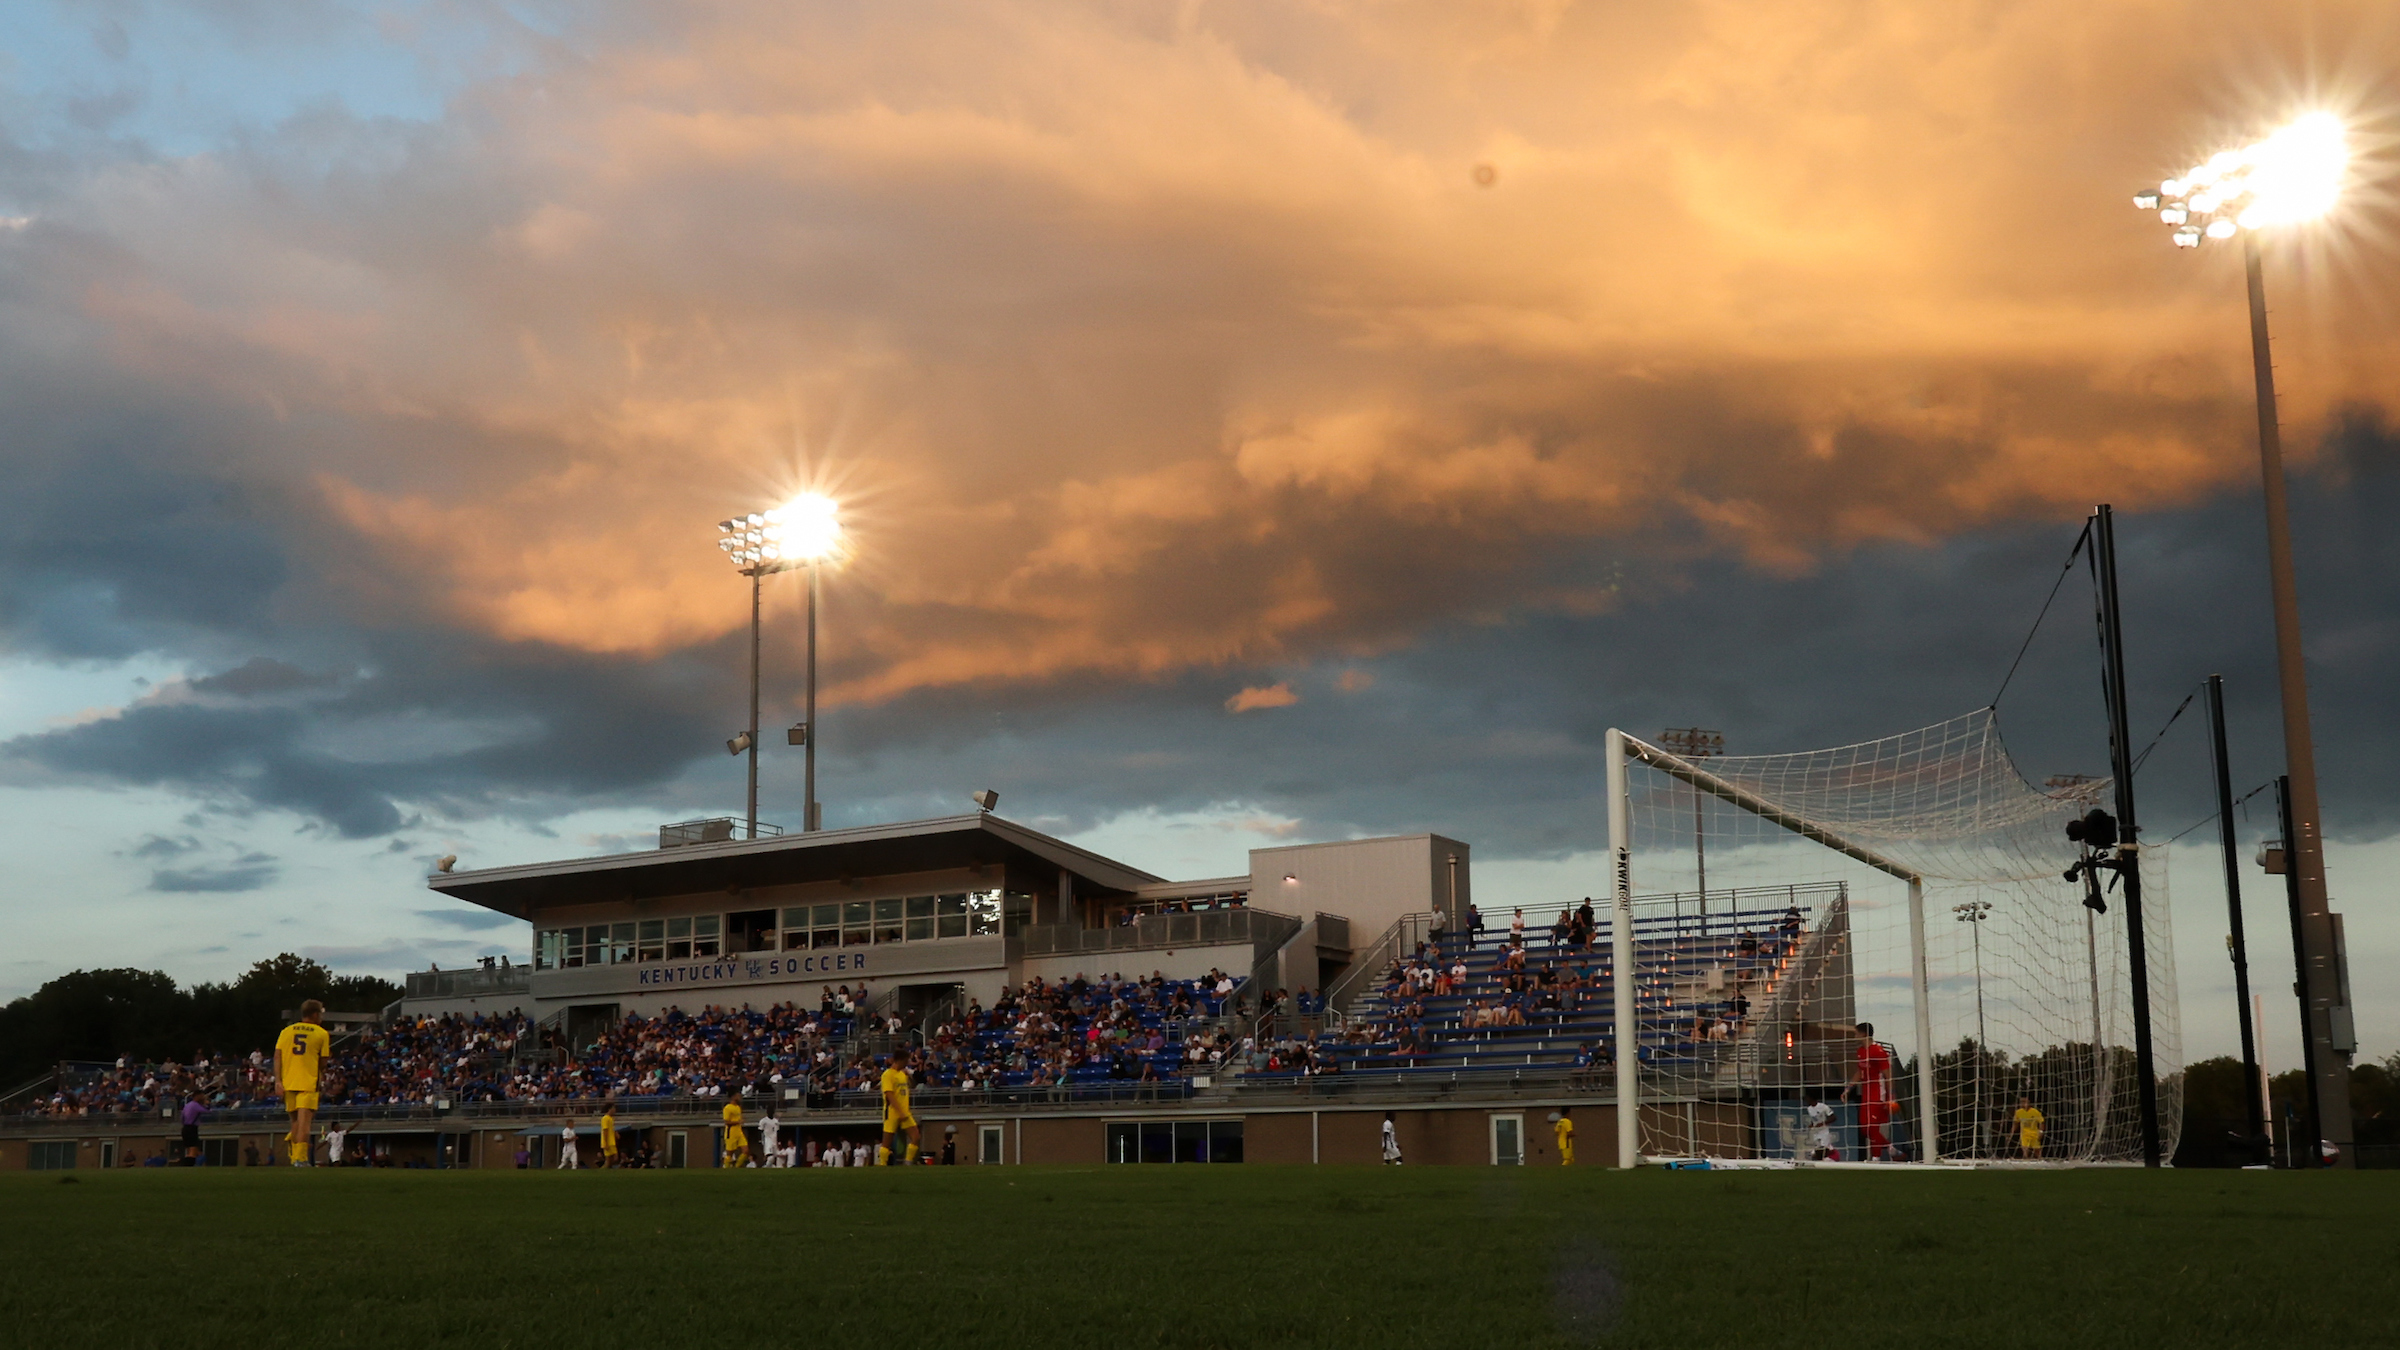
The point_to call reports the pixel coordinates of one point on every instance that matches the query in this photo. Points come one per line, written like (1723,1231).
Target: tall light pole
(2293,176)
(1696,743)
(1972,914)
(803,532)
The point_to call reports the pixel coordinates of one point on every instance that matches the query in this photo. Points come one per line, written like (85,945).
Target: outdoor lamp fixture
(803,532)
(987,800)
(2292,177)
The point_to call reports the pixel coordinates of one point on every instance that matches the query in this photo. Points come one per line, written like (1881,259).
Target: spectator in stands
(1585,922)
(1474,924)
(1516,929)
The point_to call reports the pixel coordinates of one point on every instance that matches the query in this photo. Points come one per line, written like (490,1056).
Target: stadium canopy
(979,840)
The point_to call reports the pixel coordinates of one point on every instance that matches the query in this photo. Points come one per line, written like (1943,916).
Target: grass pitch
(1246,1256)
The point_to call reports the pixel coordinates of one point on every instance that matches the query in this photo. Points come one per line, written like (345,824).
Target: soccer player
(1820,1130)
(608,1136)
(2029,1128)
(896,1115)
(300,1057)
(1391,1141)
(737,1144)
(1565,1130)
(569,1160)
(768,1126)
(1872,1078)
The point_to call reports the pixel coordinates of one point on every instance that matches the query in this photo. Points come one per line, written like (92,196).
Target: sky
(1255,422)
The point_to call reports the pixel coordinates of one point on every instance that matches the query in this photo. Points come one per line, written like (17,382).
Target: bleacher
(1691,973)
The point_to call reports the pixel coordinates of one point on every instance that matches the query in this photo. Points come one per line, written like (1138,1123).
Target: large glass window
(1171,1141)
(704,934)
(679,939)
(620,942)
(950,916)
(920,918)
(887,920)
(855,932)
(651,945)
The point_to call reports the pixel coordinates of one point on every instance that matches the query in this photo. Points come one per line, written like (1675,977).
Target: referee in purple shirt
(192,1111)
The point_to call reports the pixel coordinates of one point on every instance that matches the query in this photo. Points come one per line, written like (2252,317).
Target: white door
(1508,1141)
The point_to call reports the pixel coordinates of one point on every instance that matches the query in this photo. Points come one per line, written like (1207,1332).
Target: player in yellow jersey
(896,1115)
(299,1060)
(608,1136)
(1565,1130)
(737,1143)
(2029,1128)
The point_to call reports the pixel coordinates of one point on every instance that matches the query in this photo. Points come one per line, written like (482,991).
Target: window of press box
(913,918)
(1175,1141)
(608,944)
(752,930)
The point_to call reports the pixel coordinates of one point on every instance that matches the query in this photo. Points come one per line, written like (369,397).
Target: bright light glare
(808,528)
(2296,174)
(2220,229)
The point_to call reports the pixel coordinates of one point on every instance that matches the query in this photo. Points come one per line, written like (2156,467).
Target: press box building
(917,912)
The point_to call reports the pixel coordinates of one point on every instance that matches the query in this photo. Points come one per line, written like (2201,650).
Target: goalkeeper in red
(896,1115)
(299,1059)
(1872,1081)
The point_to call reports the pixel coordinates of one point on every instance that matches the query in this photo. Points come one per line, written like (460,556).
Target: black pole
(2240,943)
(2120,755)
(2308,1030)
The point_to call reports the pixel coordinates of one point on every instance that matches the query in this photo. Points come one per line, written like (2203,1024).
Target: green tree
(91,1015)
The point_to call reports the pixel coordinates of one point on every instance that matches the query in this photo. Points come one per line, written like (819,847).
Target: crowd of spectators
(1045,1033)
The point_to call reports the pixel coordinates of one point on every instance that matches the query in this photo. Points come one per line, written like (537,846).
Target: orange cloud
(1150,342)
(1277,695)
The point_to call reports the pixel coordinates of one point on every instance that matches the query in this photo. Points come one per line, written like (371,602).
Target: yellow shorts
(608,1148)
(296,1100)
(734,1138)
(895,1124)
(2029,1141)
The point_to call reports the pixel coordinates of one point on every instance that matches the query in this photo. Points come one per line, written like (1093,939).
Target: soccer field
(1199,1256)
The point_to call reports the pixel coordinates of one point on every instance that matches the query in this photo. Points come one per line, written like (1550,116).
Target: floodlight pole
(808,793)
(2236,940)
(756,574)
(2303,987)
(2129,847)
(2304,854)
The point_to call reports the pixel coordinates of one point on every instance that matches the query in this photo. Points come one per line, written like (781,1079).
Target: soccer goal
(1871,953)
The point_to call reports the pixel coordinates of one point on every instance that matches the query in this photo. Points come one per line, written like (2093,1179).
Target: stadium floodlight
(987,800)
(803,532)
(445,862)
(2290,177)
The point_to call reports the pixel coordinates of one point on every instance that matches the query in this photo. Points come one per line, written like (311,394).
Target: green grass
(1247,1256)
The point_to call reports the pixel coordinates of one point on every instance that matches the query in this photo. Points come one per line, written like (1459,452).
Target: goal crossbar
(1623,748)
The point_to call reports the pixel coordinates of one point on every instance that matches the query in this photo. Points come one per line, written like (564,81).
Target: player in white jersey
(768,1125)
(1820,1130)
(568,1159)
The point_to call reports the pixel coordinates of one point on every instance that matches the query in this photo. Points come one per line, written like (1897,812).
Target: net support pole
(1628,1047)
(1920,992)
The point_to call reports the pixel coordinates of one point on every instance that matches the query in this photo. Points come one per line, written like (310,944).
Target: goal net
(1913,885)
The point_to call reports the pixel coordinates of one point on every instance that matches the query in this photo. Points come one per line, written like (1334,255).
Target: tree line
(98,1015)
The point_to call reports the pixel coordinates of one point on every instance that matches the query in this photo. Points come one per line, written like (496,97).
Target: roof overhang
(951,842)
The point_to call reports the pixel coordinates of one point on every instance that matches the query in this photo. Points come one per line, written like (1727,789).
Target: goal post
(1790,905)
(1624,749)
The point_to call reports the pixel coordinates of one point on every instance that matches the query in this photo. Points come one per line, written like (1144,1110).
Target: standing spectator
(1391,1141)
(568,1159)
(193,1109)
(1474,923)
(1516,929)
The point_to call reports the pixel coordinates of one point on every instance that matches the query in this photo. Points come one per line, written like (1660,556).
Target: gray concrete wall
(1371,882)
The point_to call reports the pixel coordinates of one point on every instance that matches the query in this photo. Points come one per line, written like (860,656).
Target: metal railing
(1159,932)
(1368,966)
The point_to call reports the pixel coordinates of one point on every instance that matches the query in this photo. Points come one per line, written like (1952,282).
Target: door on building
(1508,1141)
(989,1142)
(677,1142)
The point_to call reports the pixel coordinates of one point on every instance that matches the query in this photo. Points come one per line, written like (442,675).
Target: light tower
(803,532)
(2292,176)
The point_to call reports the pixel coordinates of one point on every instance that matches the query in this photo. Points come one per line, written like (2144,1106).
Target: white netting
(1763,947)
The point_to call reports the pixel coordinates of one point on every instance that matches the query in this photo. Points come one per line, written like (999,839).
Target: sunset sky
(1257,421)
